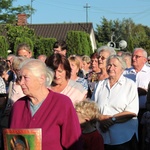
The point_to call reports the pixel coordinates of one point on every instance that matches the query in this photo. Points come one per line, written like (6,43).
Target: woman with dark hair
(62,82)
(93,76)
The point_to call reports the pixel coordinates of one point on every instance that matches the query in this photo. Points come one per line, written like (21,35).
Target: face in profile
(29,83)
(103,58)
(94,64)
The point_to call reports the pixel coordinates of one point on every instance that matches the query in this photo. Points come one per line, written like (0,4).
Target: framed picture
(26,139)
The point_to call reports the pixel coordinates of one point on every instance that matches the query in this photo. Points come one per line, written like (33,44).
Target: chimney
(22,20)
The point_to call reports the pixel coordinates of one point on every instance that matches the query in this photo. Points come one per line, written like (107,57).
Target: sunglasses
(102,57)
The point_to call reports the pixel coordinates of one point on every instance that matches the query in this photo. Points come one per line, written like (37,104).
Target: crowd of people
(97,102)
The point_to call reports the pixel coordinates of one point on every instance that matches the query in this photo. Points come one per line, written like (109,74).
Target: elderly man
(141,75)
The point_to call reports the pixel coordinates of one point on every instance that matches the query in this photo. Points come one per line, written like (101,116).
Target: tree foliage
(44,46)
(3,46)
(13,32)
(8,13)
(78,43)
(116,30)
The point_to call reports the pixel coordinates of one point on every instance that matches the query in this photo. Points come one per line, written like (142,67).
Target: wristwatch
(113,119)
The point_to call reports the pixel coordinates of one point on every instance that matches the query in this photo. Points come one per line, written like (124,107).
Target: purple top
(56,117)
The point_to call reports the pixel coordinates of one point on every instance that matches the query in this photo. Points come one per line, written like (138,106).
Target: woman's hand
(106,120)
(105,124)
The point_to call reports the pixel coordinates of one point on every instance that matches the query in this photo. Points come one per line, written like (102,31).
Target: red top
(57,118)
(93,141)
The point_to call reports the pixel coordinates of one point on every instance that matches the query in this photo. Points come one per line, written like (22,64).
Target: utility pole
(31,12)
(86,7)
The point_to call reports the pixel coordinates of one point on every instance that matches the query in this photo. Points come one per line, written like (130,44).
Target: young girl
(88,114)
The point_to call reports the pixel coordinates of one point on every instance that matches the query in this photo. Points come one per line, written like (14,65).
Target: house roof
(59,31)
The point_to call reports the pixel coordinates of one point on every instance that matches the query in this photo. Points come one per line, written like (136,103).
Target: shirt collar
(145,68)
(120,81)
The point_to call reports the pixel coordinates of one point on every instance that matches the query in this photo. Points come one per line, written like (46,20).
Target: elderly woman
(45,109)
(62,82)
(117,99)
(104,53)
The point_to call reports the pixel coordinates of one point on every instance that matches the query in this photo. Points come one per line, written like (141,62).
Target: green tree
(104,31)
(135,35)
(8,13)
(44,46)
(78,43)
(3,46)
(13,32)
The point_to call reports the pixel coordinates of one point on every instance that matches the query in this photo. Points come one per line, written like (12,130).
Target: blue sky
(60,11)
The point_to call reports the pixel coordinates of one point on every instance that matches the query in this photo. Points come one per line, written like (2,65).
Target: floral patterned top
(2,86)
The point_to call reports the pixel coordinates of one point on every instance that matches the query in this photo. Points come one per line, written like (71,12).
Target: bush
(78,43)
(3,47)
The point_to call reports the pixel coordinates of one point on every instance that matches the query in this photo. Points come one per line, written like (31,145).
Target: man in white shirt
(140,73)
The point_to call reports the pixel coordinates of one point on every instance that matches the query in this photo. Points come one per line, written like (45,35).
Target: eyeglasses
(137,56)
(102,57)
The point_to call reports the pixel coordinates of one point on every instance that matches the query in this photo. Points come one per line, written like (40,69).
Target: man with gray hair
(141,75)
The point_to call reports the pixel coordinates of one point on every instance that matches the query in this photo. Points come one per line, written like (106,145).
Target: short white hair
(120,59)
(107,49)
(143,51)
(38,68)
